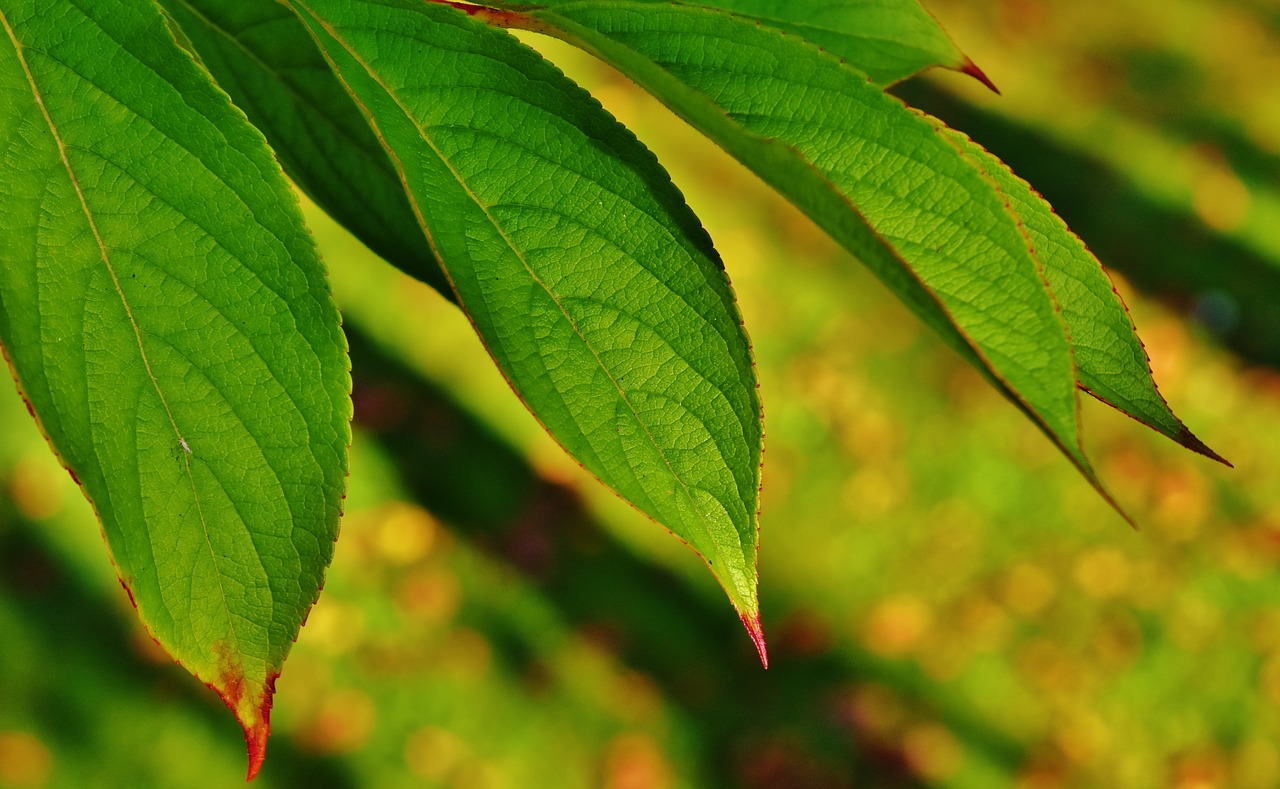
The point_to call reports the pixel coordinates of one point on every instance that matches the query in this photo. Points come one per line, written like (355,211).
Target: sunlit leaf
(590,281)
(890,40)
(168,321)
(1112,363)
(878,177)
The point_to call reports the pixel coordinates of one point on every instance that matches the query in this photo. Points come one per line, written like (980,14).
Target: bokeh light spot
(896,626)
(25,762)
(635,761)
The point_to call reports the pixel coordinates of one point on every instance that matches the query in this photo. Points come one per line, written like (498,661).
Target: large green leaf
(590,281)
(168,321)
(878,177)
(262,56)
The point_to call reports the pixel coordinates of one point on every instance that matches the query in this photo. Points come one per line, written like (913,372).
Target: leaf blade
(590,281)
(151,278)
(889,40)
(1113,364)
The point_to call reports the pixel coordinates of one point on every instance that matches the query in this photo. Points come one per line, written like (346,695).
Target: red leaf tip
(752,624)
(253,713)
(972,70)
(255,738)
(258,728)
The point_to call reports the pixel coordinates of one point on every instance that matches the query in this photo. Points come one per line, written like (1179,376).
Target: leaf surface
(889,40)
(263,57)
(880,178)
(168,321)
(590,281)
(1112,363)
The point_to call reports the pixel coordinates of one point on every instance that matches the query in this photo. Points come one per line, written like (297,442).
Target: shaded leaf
(263,57)
(590,281)
(168,321)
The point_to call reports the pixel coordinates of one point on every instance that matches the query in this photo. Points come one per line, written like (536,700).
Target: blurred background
(948,604)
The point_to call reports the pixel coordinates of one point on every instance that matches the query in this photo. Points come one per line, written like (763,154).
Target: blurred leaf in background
(951,605)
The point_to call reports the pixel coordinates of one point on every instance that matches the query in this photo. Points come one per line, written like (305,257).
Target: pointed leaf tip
(252,711)
(971,68)
(1189,440)
(258,727)
(752,624)
(255,738)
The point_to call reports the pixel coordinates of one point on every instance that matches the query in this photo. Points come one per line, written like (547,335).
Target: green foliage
(167,318)
(169,322)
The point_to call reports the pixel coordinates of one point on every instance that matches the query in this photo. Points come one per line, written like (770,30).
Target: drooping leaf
(889,40)
(590,281)
(880,178)
(263,57)
(167,318)
(1112,363)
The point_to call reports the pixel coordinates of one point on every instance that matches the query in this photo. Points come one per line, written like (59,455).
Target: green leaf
(889,40)
(591,282)
(877,176)
(263,57)
(168,321)
(1113,364)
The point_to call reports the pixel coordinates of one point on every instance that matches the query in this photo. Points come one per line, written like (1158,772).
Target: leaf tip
(257,726)
(1085,468)
(255,737)
(252,711)
(970,68)
(1189,440)
(1115,505)
(752,623)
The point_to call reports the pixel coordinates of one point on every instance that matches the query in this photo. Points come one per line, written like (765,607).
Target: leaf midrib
(133,324)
